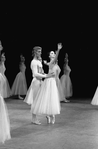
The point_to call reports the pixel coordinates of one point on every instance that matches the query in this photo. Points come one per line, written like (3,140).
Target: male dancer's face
(39,52)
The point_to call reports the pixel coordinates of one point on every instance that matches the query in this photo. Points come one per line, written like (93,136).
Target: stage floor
(75,128)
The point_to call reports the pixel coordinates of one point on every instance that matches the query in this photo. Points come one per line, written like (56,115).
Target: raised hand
(45,62)
(59,46)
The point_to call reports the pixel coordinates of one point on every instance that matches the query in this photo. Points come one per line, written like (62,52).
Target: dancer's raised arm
(57,53)
(45,62)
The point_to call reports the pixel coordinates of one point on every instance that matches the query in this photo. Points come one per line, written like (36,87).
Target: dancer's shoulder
(34,62)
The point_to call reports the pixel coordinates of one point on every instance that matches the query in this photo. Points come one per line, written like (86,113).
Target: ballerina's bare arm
(45,62)
(57,53)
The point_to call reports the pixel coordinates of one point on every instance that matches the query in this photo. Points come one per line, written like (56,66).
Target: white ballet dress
(66,82)
(6,86)
(36,67)
(4,118)
(47,100)
(19,86)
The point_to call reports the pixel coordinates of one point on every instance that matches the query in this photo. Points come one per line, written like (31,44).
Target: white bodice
(22,68)
(55,69)
(67,70)
(2,68)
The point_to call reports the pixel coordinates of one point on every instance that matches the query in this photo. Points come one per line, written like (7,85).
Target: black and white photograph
(48,75)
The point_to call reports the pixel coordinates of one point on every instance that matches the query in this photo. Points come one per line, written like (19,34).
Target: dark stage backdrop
(22,27)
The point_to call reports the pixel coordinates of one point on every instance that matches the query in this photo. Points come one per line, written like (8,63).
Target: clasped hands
(49,75)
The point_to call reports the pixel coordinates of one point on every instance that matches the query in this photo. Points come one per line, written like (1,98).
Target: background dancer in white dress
(66,81)
(38,74)
(19,86)
(6,86)
(47,100)
(4,118)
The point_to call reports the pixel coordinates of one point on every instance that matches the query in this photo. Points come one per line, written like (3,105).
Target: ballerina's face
(22,59)
(52,55)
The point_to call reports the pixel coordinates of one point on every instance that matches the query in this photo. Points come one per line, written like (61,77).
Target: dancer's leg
(53,119)
(20,97)
(48,119)
(35,120)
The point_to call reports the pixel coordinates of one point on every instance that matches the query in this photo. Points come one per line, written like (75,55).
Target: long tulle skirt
(32,91)
(60,89)
(47,100)
(4,86)
(95,98)
(7,89)
(66,85)
(4,122)
(19,86)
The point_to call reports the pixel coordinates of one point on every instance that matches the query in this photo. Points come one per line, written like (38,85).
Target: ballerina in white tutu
(6,87)
(95,98)
(47,100)
(66,81)
(38,74)
(58,82)
(4,118)
(19,86)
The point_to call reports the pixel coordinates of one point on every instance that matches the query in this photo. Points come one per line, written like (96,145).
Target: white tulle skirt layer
(8,89)
(47,100)
(95,98)
(32,91)
(60,89)
(4,86)
(19,86)
(66,85)
(4,122)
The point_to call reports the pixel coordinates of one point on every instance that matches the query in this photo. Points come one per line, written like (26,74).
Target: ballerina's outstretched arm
(57,53)
(56,56)
(46,63)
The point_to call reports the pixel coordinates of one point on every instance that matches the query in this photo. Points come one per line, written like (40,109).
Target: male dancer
(37,71)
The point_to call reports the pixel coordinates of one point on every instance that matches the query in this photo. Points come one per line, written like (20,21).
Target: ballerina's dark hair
(22,58)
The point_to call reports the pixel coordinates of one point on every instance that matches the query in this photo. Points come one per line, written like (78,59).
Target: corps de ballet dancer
(38,75)
(19,86)
(66,81)
(6,86)
(4,117)
(47,100)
